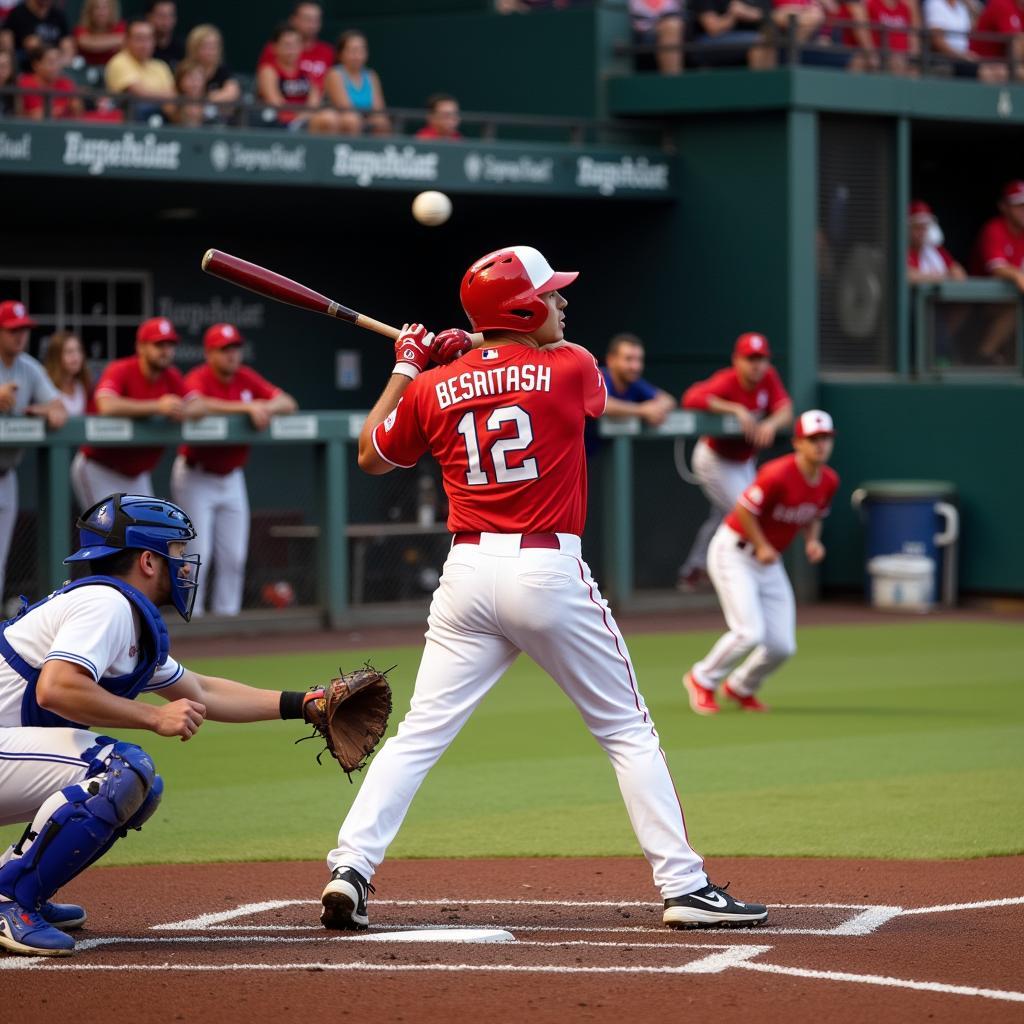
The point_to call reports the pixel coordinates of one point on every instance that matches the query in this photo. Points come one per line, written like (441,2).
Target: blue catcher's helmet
(137,521)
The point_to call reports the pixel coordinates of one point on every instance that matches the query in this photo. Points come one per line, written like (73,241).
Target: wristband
(410,370)
(291,703)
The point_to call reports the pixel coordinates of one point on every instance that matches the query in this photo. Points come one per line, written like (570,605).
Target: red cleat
(747,702)
(702,700)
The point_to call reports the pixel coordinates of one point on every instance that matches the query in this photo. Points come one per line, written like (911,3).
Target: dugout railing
(347,519)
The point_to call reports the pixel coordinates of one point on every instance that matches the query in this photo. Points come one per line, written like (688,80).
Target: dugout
(782,193)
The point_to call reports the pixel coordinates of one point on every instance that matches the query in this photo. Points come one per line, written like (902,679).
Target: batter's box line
(866,920)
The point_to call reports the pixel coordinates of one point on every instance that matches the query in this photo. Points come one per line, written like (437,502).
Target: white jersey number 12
(503,473)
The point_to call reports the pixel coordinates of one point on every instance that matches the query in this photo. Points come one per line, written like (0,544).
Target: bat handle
(376,325)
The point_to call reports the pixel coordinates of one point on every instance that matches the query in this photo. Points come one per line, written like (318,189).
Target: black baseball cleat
(344,900)
(712,907)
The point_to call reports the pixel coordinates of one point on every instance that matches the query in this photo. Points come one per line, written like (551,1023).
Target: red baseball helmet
(500,291)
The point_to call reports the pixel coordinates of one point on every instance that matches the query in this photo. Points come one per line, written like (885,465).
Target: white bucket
(902,582)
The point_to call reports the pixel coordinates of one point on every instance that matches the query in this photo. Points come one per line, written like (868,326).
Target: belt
(527,540)
(192,464)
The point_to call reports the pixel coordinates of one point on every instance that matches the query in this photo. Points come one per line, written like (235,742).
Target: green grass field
(901,740)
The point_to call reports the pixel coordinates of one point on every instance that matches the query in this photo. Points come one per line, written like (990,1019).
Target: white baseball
(431,208)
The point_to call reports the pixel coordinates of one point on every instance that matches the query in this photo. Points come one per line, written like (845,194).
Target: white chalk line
(886,982)
(1013,901)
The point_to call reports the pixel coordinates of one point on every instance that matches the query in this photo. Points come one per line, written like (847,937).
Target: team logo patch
(489,353)
(755,495)
(390,421)
(132,651)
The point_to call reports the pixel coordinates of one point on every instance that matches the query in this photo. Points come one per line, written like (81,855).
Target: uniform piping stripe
(76,658)
(682,813)
(376,448)
(50,758)
(159,686)
(625,660)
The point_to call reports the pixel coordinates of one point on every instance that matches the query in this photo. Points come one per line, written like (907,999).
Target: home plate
(443,935)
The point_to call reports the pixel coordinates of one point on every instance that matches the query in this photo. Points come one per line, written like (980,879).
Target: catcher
(82,655)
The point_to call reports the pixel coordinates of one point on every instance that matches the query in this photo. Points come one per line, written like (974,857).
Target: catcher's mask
(123,521)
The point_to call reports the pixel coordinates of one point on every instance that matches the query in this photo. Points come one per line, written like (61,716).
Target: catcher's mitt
(351,714)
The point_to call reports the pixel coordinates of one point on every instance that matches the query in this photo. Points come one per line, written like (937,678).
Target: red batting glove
(412,350)
(450,345)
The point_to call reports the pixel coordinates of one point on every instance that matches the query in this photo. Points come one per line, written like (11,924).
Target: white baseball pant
(495,600)
(92,481)
(722,481)
(218,506)
(757,601)
(8,519)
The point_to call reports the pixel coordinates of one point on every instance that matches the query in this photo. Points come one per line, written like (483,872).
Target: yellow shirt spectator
(151,77)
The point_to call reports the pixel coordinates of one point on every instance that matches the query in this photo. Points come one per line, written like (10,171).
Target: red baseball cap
(156,328)
(1013,192)
(814,423)
(13,315)
(920,211)
(752,344)
(221,335)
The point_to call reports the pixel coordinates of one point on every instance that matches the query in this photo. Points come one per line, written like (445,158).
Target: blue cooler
(913,518)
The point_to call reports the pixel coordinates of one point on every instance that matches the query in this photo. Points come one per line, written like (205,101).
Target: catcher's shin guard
(77,825)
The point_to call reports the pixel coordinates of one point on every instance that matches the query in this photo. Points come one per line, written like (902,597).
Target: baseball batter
(138,386)
(506,424)
(788,496)
(82,655)
(208,481)
(752,391)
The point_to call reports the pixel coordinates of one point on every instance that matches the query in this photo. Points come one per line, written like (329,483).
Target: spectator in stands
(284,84)
(192,110)
(46,77)
(999,252)
(442,118)
(658,24)
(949,25)
(100,31)
(525,6)
(898,50)
(66,367)
(163,16)
(138,386)
(628,393)
(926,260)
(25,390)
(354,89)
(8,79)
(1007,17)
(205,47)
(36,22)
(809,14)
(730,33)
(135,72)
(317,56)
(6,38)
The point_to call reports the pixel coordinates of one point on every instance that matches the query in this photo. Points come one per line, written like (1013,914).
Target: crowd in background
(305,83)
(309,84)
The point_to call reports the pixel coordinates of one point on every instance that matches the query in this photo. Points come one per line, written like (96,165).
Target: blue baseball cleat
(25,931)
(65,916)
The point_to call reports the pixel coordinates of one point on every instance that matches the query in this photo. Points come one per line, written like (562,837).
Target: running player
(789,495)
(506,425)
(207,481)
(82,655)
(751,391)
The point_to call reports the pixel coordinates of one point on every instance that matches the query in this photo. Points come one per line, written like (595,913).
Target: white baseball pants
(92,482)
(218,506)
(722,481)
(495,600)
(8,519)
(757,601)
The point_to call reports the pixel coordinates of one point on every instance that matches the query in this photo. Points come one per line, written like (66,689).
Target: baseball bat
(283,289)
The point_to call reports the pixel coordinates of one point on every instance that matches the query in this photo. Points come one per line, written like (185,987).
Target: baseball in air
(432,208)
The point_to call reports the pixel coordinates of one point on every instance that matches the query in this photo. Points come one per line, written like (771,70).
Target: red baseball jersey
(769,395)
(929,258)
(506,426)
(785,502)
(245,386)
(59,107)
(894,16)
(124,377)
(315,61)
(1006,16)
(997,245)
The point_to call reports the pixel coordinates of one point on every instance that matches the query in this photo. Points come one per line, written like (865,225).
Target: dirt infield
(579,940)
